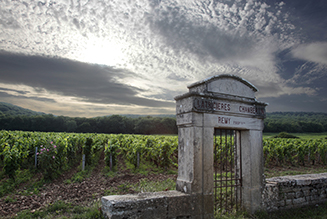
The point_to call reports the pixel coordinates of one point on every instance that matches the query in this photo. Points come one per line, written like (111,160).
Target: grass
(61,209)
(312,212)
(300,135)
(154,186)
(144,185)
(145,167)
(288,170)
(8,186)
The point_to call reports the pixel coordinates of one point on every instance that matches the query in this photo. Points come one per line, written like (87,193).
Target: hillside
(17,118)
(8,109)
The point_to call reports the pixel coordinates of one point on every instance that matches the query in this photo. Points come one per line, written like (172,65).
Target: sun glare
(104,53)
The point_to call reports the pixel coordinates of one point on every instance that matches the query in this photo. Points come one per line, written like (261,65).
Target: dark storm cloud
(92,83)
(313,100)
(203,40)
(267,88)
(287,103)
(311,16)
(310,73)
(288,64)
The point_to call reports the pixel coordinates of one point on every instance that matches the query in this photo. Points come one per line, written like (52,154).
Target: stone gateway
(214,105)
(224,102)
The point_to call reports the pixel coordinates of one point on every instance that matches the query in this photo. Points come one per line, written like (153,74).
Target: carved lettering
(223,120)
(238,123)
(214,105)
(248,109)
(207,104)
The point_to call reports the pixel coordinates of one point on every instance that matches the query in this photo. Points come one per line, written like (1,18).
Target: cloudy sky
(99,57)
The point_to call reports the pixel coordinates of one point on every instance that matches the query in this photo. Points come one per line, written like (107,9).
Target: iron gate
(227,170)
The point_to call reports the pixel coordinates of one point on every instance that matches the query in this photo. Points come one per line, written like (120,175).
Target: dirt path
(90,189)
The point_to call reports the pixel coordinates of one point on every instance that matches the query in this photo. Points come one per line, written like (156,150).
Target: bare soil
(92,188)
(89,190)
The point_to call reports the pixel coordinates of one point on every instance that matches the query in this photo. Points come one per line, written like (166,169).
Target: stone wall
(294,191)
(167,204)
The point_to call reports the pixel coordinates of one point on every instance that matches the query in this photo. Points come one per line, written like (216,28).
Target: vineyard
(46,156)
(52,153)
(281,151)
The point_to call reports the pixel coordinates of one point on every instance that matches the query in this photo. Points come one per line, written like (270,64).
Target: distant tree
(145,125)
(117,124)
(38,124)
(70,125)
(85,127)
(285,135)
(169,126)
(129,125)
(16,123)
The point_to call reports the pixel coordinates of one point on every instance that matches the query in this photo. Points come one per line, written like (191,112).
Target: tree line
(16,118)
(275,122)
(107,124)
(296,122)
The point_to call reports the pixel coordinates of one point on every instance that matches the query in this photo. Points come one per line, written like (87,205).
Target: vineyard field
(59,158)
(55,152)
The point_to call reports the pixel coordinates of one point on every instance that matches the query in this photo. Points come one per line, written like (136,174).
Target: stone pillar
(252,169)
(195,162)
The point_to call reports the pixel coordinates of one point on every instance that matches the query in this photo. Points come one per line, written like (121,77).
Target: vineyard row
(57,151)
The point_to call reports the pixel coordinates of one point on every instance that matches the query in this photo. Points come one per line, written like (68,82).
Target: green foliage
(146,185)
(162,151)
(312,212)
(7,185)
(285,135)
(290,171)
(56,151)
(48,160)
(12,110)
(17,118)
(296,122)
(88,151)
(59,208)
(283,151)
(10,199)
(111,150)
(11,159)
(80,176)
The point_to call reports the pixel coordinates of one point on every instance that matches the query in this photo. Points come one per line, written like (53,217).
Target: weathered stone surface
(226,84)
(163,205)
(294,191)
(233,122)
(224,102)
(169,204)
(222,94)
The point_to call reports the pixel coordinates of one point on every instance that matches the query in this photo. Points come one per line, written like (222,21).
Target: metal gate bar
(227,171)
